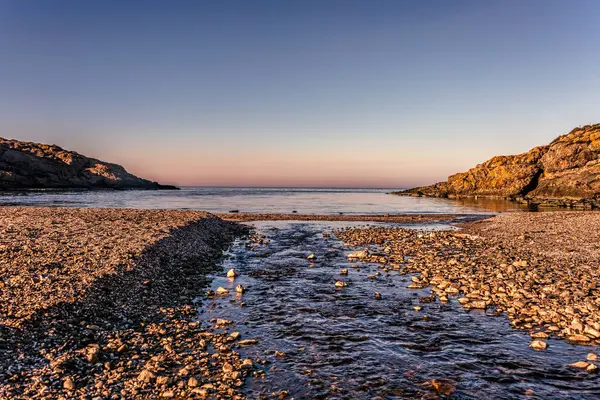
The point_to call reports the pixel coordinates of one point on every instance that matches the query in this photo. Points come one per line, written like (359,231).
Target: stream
(323,342)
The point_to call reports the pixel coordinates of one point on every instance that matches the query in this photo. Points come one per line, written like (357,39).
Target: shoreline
(586,204)
(416,218)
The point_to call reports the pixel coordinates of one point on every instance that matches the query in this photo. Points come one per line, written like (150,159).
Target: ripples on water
(344,344)
(258,200)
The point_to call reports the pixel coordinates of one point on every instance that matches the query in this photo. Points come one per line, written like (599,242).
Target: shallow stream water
(342,343)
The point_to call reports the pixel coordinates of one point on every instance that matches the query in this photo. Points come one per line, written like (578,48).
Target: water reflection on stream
(345,344)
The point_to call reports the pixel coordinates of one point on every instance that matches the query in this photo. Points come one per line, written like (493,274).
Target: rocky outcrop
(564,173)
(27,165)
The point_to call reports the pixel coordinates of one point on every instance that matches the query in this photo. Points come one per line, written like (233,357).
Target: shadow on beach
(154,287)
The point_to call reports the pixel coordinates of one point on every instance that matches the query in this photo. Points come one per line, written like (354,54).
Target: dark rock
(27,165)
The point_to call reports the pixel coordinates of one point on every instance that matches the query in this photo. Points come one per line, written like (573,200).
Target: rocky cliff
(564,173)
(27,165)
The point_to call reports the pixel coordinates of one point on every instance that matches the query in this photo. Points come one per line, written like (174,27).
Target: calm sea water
(255,200)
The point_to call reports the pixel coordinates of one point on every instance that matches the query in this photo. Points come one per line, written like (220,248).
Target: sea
(259,200)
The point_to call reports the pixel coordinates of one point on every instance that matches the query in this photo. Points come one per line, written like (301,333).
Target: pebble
(538,345)
(221,291)
(232,273)
(247,342)
(359,254)
(146,376)
(227,367)
(540,335)
(443,386)
(579,364)
(68,384)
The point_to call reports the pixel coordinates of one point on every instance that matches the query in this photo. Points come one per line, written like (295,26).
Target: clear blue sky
(345,93)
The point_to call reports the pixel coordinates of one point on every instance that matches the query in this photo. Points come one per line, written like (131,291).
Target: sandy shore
(97,303)
(541,269)
(404,218)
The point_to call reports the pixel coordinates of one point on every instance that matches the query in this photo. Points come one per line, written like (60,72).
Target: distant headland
(28,165)
(564,173)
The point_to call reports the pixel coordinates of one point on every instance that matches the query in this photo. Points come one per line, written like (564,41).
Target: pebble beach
(98,304)
(540,269)
(102,303)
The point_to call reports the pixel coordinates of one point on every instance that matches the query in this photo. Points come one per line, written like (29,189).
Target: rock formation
(564,173)
(27,165)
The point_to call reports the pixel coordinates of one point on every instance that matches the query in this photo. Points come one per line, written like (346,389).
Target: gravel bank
(403,218)
(97,303)
(541,269)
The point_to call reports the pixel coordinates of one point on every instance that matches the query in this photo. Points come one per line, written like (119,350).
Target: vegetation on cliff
(565,173)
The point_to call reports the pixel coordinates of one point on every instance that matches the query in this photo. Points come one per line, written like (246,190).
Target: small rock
(443,386)
(578,338)
(538,345)
(68,384)
(162,380)
(221,290)
(478,304)
(344,271)
(377,296)
(311,256)
(540,335)
(340,284)
(592,357)
(247,342)
(227,367)
(579,364)
(359,254)
(192,382)
(232,273)
(146,376)
(240,289)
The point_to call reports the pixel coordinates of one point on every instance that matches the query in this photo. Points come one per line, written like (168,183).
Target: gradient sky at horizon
(298,93)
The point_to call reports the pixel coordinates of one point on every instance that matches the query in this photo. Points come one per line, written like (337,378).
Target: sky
(298,93)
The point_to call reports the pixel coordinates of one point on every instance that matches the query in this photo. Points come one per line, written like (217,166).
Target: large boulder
(27,165)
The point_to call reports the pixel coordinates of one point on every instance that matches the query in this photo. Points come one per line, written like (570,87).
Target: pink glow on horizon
(368,171)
